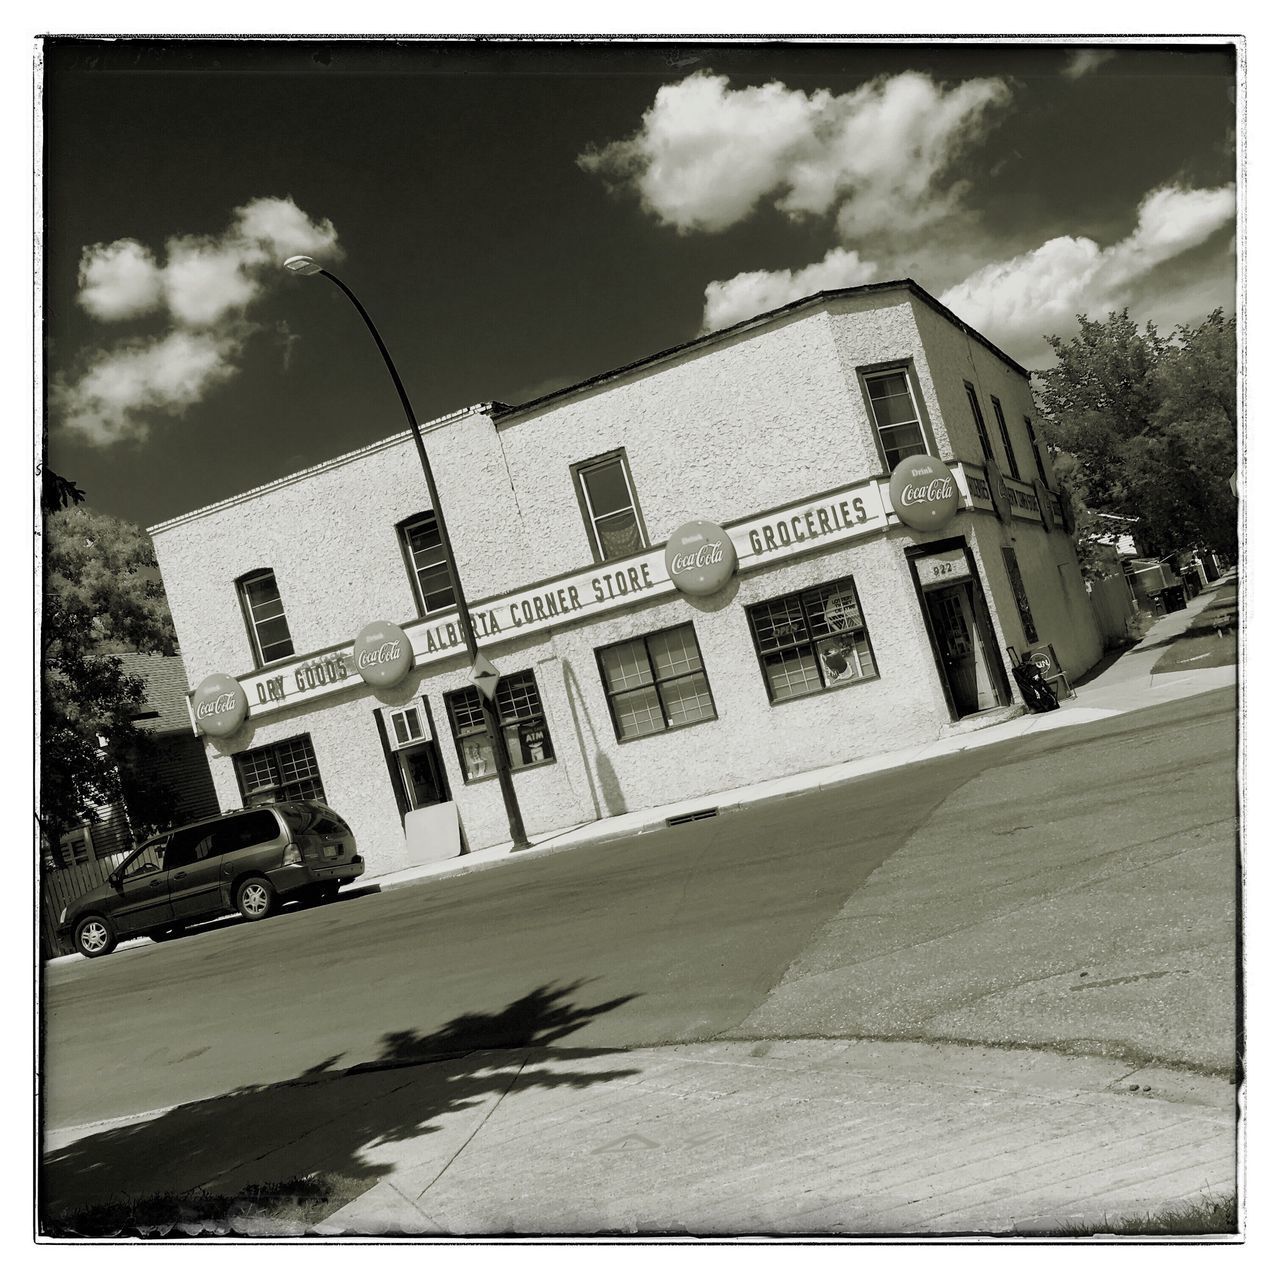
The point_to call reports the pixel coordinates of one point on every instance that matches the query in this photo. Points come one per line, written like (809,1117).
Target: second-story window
(896,417)
(979,422)
(609,507)
(1004,435)
(1035,451)
(264,617)
(424,558)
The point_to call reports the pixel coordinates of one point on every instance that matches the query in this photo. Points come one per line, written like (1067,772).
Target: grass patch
(274,1209)
(1210,1216)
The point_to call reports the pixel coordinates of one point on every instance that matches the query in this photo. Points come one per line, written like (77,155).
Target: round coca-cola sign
(700,558)
(923,492)
(382,654)
(220,705)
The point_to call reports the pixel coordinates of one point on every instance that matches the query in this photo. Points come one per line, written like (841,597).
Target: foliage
(102,596)
(57,491)
(1147,425)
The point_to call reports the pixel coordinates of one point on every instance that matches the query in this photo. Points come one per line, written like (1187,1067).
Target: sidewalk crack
(485,1120)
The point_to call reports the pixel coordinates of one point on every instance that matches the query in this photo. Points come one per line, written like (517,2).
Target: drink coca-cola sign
(700,558)
(382,654)
(220,705)
(923,492)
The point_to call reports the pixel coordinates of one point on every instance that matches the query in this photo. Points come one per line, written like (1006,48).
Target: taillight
(292,855)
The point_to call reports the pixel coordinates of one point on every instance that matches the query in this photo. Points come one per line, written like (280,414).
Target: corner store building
(842,631)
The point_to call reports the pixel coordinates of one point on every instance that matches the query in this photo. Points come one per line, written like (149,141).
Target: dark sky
(498,268)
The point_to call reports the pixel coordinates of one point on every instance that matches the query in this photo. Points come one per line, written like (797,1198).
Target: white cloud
(1084,61)
(706,155)
(119,281)
(205,285)
(1017,301)
(114,397)
(751,292)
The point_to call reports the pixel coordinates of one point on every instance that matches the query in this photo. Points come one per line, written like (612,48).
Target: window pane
(606,488)
(833,609)
(791,673)
(626,666)
(778,622)
(674,653)
(638,713)
(465,710)
(477,756)
(891,400)
(518,697)
(261,592)
(437,592)
(687,700)
(423,537)
(619,535)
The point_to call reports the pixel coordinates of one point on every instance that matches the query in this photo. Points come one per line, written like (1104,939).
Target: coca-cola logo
(383,654)
(923,493)
(388,652)
(935,491)
(700,558)
(707,554)
(220,705)
(225,702)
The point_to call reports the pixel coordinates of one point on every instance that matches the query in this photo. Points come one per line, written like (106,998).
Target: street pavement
(930,1093)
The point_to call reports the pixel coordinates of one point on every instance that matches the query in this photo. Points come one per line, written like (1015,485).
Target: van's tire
(95,937)
(255,898)
(329,890)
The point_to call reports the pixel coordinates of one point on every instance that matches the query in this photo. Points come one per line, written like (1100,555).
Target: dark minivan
(248,861)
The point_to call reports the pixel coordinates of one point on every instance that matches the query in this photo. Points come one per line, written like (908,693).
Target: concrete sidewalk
(1128,684)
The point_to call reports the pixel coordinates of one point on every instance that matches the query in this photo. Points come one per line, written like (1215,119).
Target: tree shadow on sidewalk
(272,1153)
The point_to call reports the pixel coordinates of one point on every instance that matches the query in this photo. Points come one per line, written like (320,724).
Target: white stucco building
(842,631)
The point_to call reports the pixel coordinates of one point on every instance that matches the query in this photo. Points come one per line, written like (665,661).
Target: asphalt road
(1073,889)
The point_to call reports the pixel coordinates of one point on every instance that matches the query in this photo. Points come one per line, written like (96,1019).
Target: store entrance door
(960,648)
(422,772)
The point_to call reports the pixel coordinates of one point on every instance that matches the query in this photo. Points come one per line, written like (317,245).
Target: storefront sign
(820,523)
(944,567)
(996,487)
(382,655)
(923,493)
(219,705)
(700,558)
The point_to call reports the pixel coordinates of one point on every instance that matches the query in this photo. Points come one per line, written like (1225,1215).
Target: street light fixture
(303,265)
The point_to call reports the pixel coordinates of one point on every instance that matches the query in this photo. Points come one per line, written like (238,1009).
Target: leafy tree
(102,596)
(57,491)
(1149,424)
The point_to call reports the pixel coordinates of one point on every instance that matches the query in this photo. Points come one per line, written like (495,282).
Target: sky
(519,216)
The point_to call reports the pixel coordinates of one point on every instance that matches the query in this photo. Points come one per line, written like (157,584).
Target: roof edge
(504,412)
(485,409)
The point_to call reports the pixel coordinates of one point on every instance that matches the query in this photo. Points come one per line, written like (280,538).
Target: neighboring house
(177,760)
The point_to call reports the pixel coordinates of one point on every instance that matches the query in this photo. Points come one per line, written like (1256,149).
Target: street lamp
(302,265)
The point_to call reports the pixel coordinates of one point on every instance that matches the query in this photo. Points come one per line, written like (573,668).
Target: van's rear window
(316,819)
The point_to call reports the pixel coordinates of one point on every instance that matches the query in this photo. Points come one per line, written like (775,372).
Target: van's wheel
(95,937)
(255,898)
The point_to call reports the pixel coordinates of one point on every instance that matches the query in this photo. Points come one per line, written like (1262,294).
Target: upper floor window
(1035,451)
(425,559)
(264,617)
(1004,435)
(979,422)
(893,407)
(813,640)
(609,507)
(520,716)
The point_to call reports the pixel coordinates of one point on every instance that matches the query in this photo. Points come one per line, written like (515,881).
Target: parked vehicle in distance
(249,861)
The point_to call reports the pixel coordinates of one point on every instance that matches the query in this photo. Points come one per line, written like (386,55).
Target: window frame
(451,701)
(579,471)
(403,529)
(243,582)
(655,683)
(907,368)
(1035,451)
(975,406)
(280,787)
(816,588)
(1014,473)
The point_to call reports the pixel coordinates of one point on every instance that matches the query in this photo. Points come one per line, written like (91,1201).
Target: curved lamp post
(302,265)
